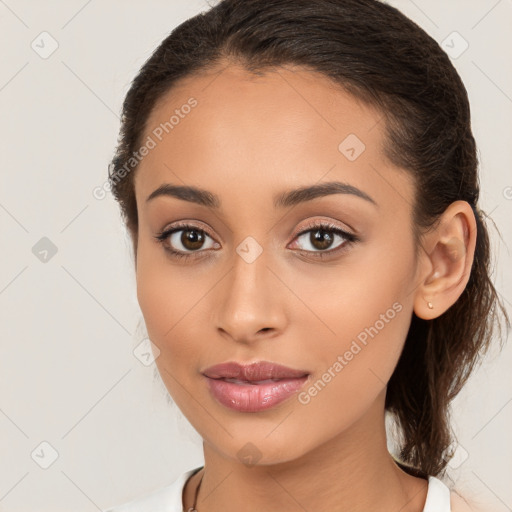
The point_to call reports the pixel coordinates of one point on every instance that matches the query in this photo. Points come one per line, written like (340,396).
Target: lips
(254,387)
(258,372)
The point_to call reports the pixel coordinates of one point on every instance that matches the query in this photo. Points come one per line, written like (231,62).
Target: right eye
(184,240)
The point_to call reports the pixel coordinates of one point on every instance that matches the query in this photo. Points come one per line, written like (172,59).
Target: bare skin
(247,140)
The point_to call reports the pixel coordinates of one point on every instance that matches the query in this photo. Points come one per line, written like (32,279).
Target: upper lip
(260,370)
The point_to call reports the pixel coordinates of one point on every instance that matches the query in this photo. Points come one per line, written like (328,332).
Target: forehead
(285,128)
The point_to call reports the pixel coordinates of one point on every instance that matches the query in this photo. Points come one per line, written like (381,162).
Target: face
(322,283)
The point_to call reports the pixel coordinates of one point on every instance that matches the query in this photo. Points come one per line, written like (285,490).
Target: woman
(299,180)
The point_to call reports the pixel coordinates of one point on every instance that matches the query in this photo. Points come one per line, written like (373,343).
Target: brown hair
(377,54)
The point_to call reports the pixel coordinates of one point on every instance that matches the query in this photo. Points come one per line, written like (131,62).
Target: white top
(169,498)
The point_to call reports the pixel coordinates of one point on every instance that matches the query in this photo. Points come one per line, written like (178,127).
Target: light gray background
(69,326)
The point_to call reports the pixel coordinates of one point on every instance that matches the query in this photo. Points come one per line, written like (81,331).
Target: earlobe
(453,245)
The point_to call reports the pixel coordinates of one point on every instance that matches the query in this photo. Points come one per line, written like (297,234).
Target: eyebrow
(283,200)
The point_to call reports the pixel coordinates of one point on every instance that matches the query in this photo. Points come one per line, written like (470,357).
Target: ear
(446,260)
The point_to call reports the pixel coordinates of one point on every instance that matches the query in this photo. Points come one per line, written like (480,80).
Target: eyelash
(325,226)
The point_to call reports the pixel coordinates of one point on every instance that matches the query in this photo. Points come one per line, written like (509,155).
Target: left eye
(191,239)
(321,237)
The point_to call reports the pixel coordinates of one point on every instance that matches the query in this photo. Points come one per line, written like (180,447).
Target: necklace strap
(193,509)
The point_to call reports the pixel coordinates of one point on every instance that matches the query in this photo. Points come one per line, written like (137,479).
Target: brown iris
(322,237)
(192,238)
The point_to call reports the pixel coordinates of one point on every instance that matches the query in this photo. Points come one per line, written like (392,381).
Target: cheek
(365,313)
(160,296)
(362,356)
(353,367)
(170,304)
(164,309)
(153,299)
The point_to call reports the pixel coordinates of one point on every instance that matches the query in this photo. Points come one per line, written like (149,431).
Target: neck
(352,471)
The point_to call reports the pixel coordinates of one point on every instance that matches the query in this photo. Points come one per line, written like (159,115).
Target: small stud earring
(430,306)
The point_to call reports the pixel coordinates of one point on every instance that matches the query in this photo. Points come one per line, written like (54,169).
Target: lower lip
(254,397)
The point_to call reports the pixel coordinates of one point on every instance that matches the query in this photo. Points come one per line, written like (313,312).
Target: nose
(250,302)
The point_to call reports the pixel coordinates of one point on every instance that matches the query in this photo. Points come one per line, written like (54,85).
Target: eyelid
(322,222)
